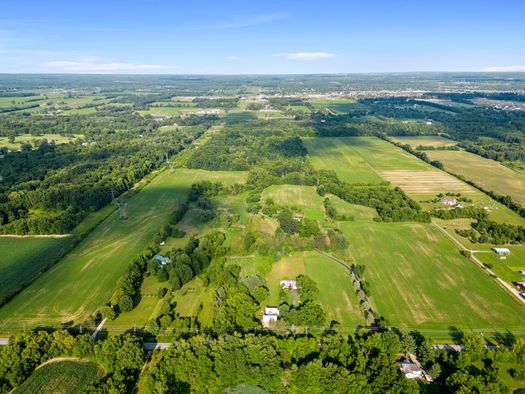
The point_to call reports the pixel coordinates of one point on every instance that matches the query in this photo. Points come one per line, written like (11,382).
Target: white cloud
(93,65)
(504,69)
(306,55)
(233,57)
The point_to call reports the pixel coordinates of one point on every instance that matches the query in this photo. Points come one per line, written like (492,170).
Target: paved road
(473,258)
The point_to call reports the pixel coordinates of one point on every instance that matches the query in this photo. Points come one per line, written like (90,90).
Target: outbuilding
(502,252)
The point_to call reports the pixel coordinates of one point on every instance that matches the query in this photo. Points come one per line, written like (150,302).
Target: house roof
(501,250)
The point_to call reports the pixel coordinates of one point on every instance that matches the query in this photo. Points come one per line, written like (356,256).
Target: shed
(502,252)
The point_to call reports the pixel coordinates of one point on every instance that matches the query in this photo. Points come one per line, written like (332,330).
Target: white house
(449,201)
(411,370)
(270,315)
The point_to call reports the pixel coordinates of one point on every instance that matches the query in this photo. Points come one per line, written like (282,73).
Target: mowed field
(81,282)
(420,281)
(424,140)
(22,259)
(487,173)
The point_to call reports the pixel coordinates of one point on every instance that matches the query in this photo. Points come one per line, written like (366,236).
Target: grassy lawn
(22,259)
(286,268)
(420,281)
(81,282)
(424,140)
(487,173)
(336,292)
(359,212)
(61,376)
(190,297)
(335,154)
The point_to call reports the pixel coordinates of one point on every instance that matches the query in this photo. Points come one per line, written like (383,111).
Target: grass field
(336,292)
(335,154)
(339,106)
(304,198)
(420,281)
(22,259)
(77,285)
(487,173)
(61,376)
(28,138)
(424,140)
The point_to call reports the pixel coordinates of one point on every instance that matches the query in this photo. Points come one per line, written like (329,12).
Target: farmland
(487,173)
(434,141)
(24,258)
(61,376)
(76,286)
(420,281)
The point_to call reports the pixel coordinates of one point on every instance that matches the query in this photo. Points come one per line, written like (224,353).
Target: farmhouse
(270,315)
(161,259)
(288,284)
(502,252)
(449,201)
(411,369)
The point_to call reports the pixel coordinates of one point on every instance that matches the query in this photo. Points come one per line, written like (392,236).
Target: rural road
(473,258)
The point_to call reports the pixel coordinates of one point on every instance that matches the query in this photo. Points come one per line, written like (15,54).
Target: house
(288,284)
(502,252)
(449,201)
(411,369)
(520,285)
(271,314)
(162,259)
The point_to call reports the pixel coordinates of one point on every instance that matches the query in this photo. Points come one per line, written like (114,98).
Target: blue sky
(240,37)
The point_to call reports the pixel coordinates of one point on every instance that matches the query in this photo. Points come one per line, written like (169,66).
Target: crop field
(424,140)
(61,376)
(334,154)
(487,173)
(22,259)
(420,281)
(428,181)
(339,106)
(336,292)
(77,285)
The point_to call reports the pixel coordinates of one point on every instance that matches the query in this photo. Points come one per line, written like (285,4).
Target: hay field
(424,140)
(487,173)
(81,282)
(304,198)
(428,181)
(420,281)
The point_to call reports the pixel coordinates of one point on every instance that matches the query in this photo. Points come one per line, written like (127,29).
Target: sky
(260,37)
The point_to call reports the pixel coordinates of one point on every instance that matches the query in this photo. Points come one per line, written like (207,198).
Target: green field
(424,140)
(304,198)
(61,376)
(487,173)
(22,259)
(81,282)
(334,154)
(336,292)
(420,281)
(339,106)
(28,139)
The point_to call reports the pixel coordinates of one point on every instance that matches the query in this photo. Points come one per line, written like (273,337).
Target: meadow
(61,376)
(24,258)
(420,281)
(80,283)
(424,140)
(487,173)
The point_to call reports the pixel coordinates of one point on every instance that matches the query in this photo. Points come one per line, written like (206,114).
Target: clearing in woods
(80,283)
(487,173)
(419,281)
